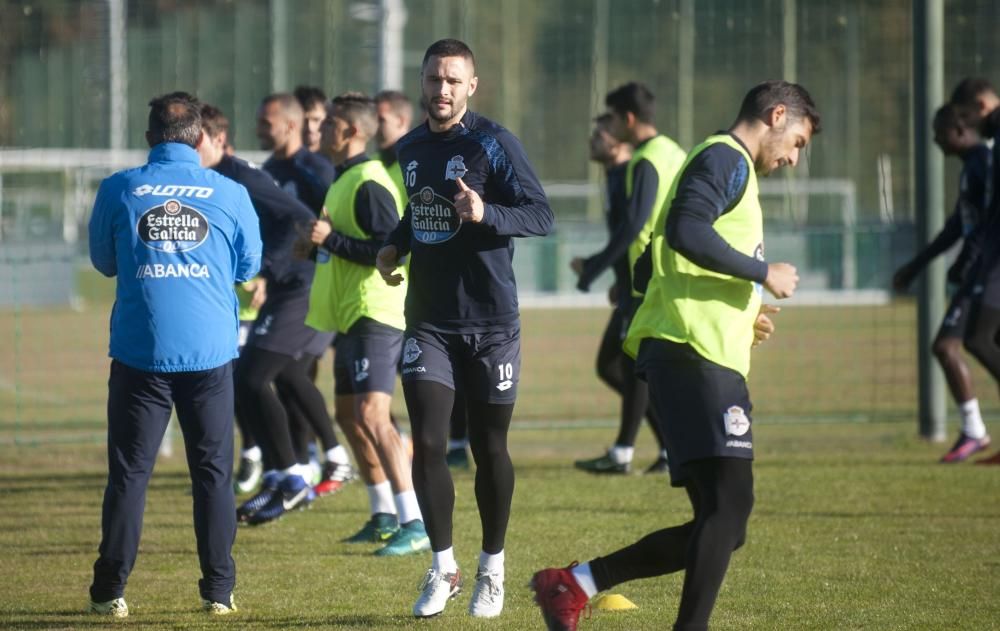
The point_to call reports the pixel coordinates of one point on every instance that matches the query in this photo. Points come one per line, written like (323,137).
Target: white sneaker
(115,608)
(435,590)
(219,609)
(487,596)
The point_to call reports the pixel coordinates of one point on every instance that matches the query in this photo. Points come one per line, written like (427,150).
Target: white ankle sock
(253,453)
(407,507)
(972,419)
(380,498)
(585,579)
(338,454)
(491,563)
(443,562)
(621,454)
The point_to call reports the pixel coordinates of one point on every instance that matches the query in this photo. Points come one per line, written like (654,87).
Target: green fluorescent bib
(712,312)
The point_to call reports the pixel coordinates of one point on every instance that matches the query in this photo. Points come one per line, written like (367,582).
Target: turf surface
(855,527)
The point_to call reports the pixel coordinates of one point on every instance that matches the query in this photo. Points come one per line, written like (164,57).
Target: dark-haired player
(350,298)
(471,189)
(693,335)
(173,339)
(280,346)
(650,172)
(956,138)
(313,102)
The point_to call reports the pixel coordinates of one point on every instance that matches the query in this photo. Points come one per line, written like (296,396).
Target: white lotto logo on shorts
(736,421)
(411,351)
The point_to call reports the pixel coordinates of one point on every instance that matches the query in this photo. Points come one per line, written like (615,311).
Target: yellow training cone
(614,602)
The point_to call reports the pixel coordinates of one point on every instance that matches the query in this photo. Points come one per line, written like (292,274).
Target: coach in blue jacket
(177,237)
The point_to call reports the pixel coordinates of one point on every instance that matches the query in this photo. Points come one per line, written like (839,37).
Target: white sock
(972,419)
(585,579)
(304,471)
(292,470)
(407,507)
(443,562)
(457,444)
(253,453)
(380,498)
(338,454)
(491,563)
(621,454)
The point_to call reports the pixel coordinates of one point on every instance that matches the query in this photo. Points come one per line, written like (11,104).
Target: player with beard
(471,189)
(301,173)
(280,346)
(285,125)
(693,333)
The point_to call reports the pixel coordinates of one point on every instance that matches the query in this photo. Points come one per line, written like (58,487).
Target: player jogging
(693,335)
(470,190)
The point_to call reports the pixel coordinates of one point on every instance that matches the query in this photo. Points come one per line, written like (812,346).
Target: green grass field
(855,527)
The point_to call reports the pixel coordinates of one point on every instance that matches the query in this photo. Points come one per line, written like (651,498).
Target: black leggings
(303,424)
(617,369)
(981,338)
(430,405)
(721,494)
(258,369)
(459,419)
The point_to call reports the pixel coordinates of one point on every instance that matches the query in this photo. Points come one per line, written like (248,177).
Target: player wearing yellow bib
(349,297)
(649,174)
(699,318)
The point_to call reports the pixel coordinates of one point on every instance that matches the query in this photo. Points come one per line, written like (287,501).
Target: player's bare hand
(321,228)
(576,265)
(782,279)
(903,277)
(386,263)
(259,292)
(763,327)
(468,203)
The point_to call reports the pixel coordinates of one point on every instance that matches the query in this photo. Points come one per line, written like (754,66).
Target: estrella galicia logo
(455,168)
(434,219)
(172,227)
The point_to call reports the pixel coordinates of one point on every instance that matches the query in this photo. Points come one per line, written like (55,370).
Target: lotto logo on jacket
(172,227)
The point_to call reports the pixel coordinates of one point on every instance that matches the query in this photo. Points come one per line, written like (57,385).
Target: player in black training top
(276,355)
(304,175)
(470,190)
(956,138)
(979,106)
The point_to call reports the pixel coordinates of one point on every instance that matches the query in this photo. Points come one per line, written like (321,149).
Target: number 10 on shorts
(506,375)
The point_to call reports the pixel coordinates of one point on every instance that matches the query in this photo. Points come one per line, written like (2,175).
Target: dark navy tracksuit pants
(139,406)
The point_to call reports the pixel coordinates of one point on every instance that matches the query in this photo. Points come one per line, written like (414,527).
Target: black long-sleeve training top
(306,176)
(283,220)
(461,275)
(626,218)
